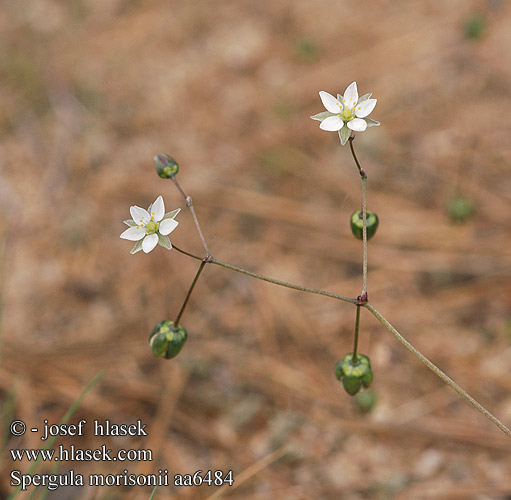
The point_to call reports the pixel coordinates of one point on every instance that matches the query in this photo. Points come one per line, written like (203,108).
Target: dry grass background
(90,91)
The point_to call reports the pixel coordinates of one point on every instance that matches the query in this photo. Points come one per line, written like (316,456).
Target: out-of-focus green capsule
(460,209)
(166,166)
(351,384)
(357,224)
(475,27)
(167,339)
(366,401)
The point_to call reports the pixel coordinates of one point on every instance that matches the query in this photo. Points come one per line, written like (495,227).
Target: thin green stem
(355,341)
(190,290)
(266,278)
(189,204)
(364,237)
(360,169)
(363,177)
(184,252)
(284,283)
(439,373)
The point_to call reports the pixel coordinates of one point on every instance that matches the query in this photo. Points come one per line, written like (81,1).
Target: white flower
(346,113)
(150,227)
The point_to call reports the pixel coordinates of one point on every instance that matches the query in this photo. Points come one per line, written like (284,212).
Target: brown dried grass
(90,92)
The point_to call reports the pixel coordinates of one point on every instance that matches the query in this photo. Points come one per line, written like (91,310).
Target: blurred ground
(91,91)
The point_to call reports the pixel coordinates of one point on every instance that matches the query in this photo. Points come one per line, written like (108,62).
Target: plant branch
(269,280)
(355,341)
(439,373)
(189,204)
(190,290)
(364,237)
(363,177)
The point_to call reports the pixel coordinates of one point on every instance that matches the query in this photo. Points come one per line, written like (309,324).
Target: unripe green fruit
(166,166)
(366,401)
(357,224)
(167,340)
(354,374)
(351,384)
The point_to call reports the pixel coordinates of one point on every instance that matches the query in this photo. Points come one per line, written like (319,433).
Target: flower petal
(330,102)
(167,226)
(351,96)
(357,124)
(133,234)
(321,116)
(344,134)
(150,241)
(139,215)
(164,241)
(157,209)
(365,108)
(332,124)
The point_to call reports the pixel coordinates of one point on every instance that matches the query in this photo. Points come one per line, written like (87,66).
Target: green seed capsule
(351,384)
(357,224)
(166,166)
(338,369)
(159,343)
(460,209)
(366,401)
(354,374)
(167,340)
(367,378)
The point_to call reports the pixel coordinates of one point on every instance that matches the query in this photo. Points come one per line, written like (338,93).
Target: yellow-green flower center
(152,227)
(347,114)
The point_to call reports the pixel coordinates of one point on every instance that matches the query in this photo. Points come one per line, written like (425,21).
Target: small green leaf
(371,123)
(171,215)
(137,247)
(130,223)
(321,116)
(364,98)
(344,134)
(164,241)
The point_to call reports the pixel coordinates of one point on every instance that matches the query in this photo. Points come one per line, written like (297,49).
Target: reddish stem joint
(361,299)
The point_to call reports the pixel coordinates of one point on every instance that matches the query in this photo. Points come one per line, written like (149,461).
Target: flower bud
(167,340)
(354,374)
(166,166)
(357,224)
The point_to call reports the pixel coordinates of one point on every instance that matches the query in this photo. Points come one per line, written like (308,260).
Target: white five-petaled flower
(346,113)
(150,227)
